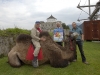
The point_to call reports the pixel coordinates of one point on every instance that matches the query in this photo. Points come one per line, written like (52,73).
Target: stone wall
(6,43)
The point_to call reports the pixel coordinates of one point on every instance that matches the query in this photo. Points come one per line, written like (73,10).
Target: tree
(65,26)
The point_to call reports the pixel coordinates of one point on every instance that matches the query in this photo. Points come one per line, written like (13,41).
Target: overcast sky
(24,13)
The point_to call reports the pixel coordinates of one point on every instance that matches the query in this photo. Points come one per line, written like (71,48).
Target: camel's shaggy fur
(53,53)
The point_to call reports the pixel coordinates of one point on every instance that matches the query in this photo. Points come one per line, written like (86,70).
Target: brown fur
(58,56)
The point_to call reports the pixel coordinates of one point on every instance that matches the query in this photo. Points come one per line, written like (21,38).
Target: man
(79,42)
(58,32)
(35,40)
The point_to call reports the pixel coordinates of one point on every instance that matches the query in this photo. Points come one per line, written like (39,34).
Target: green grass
(92,53)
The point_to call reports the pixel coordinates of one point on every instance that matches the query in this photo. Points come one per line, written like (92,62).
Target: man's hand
(82,39)
(42,39)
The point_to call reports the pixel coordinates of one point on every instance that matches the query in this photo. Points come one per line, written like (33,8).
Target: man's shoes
(74,60)
(86,63)
(35,62)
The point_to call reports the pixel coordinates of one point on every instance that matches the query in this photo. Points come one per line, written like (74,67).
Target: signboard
(58,35)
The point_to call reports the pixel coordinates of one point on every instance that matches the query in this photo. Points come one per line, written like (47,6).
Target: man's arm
(82,34)
(33,35)
(82,37)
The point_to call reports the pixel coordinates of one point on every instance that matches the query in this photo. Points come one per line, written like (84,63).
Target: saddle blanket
(30,56)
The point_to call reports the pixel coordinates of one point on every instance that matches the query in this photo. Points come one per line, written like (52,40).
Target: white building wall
(51,20)
(48,26)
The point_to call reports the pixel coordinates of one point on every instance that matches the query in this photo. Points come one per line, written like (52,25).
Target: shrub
(13,31)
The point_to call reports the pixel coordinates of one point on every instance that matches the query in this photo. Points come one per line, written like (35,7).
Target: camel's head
(72,35)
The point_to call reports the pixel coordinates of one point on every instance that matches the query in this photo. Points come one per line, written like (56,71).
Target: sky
(24,13)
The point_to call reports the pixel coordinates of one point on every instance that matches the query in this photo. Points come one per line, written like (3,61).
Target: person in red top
(35,40)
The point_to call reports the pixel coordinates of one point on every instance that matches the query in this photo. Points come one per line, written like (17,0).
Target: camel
(56,55)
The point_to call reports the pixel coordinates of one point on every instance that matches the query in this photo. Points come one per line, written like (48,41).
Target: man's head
(58,24)
(37,24)
(74,25)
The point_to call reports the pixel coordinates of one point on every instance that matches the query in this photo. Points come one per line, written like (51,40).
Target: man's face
(37,25)
(58,25)
(74,25)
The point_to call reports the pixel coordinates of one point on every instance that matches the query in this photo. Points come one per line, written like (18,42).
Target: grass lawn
(92,53)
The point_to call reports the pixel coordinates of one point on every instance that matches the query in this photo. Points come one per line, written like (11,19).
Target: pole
(89,8)
(86,6)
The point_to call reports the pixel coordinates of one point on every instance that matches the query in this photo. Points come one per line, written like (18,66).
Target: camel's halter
(71,44)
